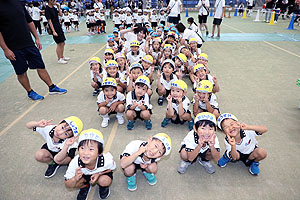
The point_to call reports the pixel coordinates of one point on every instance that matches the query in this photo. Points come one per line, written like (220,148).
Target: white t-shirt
(188,34)
(102,17)
(250,2)
(175,8)
(202,10)
(116,19)
(90,19)
(163,18)
(133,147)
(137,58)
(219,5)
(44,18)
(145,18)
(139,19)
(66,18)
(194,27)
(165,83)
(36,13)
(185,104)
(118,97)
(191,142)
(122,17)
(119,75)
(104,162)
(75,18)
(97,16)
(47,133)
(154,18)
(208,77)
(98,77)
(212,101)
(130,97)
(128,19)
(247,144)
(98,5)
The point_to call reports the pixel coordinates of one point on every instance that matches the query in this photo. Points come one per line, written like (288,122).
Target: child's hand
(101,76)
(169,99)
(94,178)
(196,97)
(94,84)
(130,77)
(206,100)
(143,165)
(215,79)
(112,107)
(244,126)
(141,104)
(201,141)
(125,50)
(158,74)
(148,38)
(43,123)
(107,100)
(78,174)
(211,141)
(141,150)
(70,141)
(179,74)
(231,140)
(152,69)
(134,104)
(118,80)
(197,79)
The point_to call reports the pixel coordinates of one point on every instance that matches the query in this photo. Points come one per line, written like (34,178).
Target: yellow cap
(91,134)
(111,63)
(205,116)
(109,51)
(148,59)
(179,84)
(166,140)
(203,56)
(135,43)
(198,67)
(75,123)
(182,57)
(225,116)
(109,81)
(143,79)
(94,60)
(168,46)
(192,40)
(136,65)
(204,86)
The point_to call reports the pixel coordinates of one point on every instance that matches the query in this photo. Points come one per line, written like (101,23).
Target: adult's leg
(24,81)
(60,50)
(43,74)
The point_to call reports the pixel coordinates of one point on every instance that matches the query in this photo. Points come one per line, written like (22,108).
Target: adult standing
(51,14)
(98,4)
(187,34)
(203,6)
(219,13)
(270,4)
(18,46)
(174,8)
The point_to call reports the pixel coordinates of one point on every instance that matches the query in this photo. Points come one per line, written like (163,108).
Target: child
(128,19)
(75,20)
(155,50)
(178,105)
(139,17)
(96,74)
(180,62)
(144,155)
(111,44)
(147,63)
(45,21)
(121,60)
(110,101)
(67,22)
(145,18)
(60,145)
(108,55)
(162,17)
(135,54)
(167,53)
(241,144)
(135,70)
(122,16)
(201,74)
(201,142)
(91,22)
(91,166)
(164,80)
(112,70)
(203,59)
(116,19)
(97,18)
(102,21)
(138,103)
(204,100)
(193,47)
(154,19)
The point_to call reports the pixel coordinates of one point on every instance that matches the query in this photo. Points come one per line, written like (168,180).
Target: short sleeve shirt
(118,97)
(132,97)
(219,5)
(185,104)
(212,101)
(52,14)
(165,83)
(208,77)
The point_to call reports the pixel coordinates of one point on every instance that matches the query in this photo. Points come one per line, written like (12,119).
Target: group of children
(123,84)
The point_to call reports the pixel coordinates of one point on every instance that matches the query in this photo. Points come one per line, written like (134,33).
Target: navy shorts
(60,38)
(202,19)
(217,21)
(173,20)
(29,57)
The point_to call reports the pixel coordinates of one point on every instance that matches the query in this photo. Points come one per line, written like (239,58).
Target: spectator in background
(174,8)
(36,16)
(270,4)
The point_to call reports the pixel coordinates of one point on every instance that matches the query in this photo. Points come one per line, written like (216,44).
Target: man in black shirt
(18,46)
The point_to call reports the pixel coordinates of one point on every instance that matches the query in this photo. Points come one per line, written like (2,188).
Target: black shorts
(90,25)
(45,24)
(217,21)
(167,92)
(173,20)
(128,25)
(153,24)
(138,114)
(60,38)
(71,152)
(29,57)
(163,23)
(244,158)
(75,22)
(88,177)
(117,25)
(201,155)
(250,7)
(202,19)
(138,166)
(67,23)
(103,23)
(177,120)
(98,22)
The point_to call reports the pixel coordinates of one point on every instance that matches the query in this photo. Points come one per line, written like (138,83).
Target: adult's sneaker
(148,124)
(151,179)
(104,192)
(210,168)
(34,96)
(165,122)
(57,90)
(254,169)
(96,92)
(183,166)
(62,61)
(51,171)
(66,58)
(130,124)
(131,183)
(84,192)
(222,162)
(160,101)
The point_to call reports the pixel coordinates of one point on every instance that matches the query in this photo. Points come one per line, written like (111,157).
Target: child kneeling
(144,155)
(241,144)
(201,142)
(91,166)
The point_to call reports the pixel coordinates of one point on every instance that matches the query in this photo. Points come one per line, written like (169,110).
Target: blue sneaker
(191,125)
(151,179)
(165,122)
(131,183)
(57,90)
(130,125)
(253,169)
(35,96)
(148,124)
(223,161)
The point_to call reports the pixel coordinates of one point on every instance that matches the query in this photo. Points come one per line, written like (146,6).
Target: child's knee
(130,114)
(262,153)
(152,168)
(103,110)
(104,180)
(129,171)
(145,114)
(120,108)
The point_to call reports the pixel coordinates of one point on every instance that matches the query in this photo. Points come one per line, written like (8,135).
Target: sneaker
(151,179)
(120,119)
(57,90)
(210,168)
(191,125)
(207,33)
(66,58)
(253,169)
(148,124)
(160,101)
(51,171)
(62,61)
(212,36)
(131,183)
(223,161)
(130,125)
(104,192)
(218,37)
(96,92)
(183,166)
(84,192)
(34,96)
(105,121)
(165,122)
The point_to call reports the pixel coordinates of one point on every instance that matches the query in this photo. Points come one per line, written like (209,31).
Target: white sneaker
(66,58)
(120,119)
(62,61)
(183,166)
(104,123)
